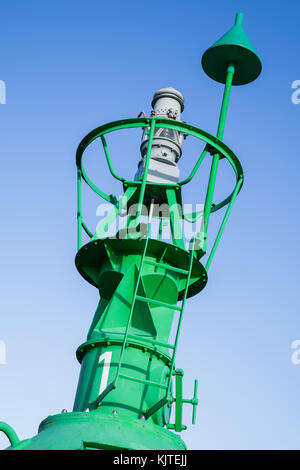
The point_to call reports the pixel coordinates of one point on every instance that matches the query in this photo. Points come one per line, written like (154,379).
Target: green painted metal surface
(233,48)
(128,382)
(85,431)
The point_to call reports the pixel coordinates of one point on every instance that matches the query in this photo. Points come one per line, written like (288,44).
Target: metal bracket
(178,426)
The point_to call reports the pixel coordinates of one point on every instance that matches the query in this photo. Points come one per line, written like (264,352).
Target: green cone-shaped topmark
(232,48)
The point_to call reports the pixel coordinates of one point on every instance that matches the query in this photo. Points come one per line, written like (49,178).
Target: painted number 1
(106,357)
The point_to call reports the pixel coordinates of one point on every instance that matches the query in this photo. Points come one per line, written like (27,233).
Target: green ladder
(167,399)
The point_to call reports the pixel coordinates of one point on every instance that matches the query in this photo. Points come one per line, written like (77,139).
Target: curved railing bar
(213,145)
(193,216)
(108,197)
(86,229)
(10,433)
(222,226)
(111,169)
(195,169)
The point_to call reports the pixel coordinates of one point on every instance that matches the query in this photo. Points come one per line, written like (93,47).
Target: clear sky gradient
(70,66)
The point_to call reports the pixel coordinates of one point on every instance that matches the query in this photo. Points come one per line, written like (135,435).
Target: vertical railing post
(145,174)
(221,229)
(79,216)
(215,162)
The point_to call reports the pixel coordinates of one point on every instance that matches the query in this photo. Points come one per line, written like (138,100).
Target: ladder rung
(142,381)
(158,302)
(156,407)
(151,341)
(105,392)
(166,266)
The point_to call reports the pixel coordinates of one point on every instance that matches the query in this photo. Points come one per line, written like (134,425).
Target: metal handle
(10,433)
(195,401)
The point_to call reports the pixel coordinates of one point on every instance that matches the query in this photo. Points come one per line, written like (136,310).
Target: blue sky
(70,66)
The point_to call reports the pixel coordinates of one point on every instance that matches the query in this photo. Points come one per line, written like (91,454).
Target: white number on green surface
(106,357)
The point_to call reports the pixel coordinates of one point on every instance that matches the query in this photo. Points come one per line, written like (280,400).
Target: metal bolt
(87,410)
(64,411)
(143,418)
(115,412)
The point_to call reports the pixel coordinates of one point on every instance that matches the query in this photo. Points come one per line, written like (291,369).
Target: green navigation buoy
(130,391)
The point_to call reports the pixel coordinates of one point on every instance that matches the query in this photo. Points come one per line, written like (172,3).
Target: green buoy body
(130,392)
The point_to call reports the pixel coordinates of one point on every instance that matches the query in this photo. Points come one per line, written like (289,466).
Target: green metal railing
(10,433)
(214,146)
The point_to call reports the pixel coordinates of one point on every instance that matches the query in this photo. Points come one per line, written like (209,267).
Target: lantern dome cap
(168,92)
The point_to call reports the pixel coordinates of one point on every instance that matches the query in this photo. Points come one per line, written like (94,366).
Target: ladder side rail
(165,399)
